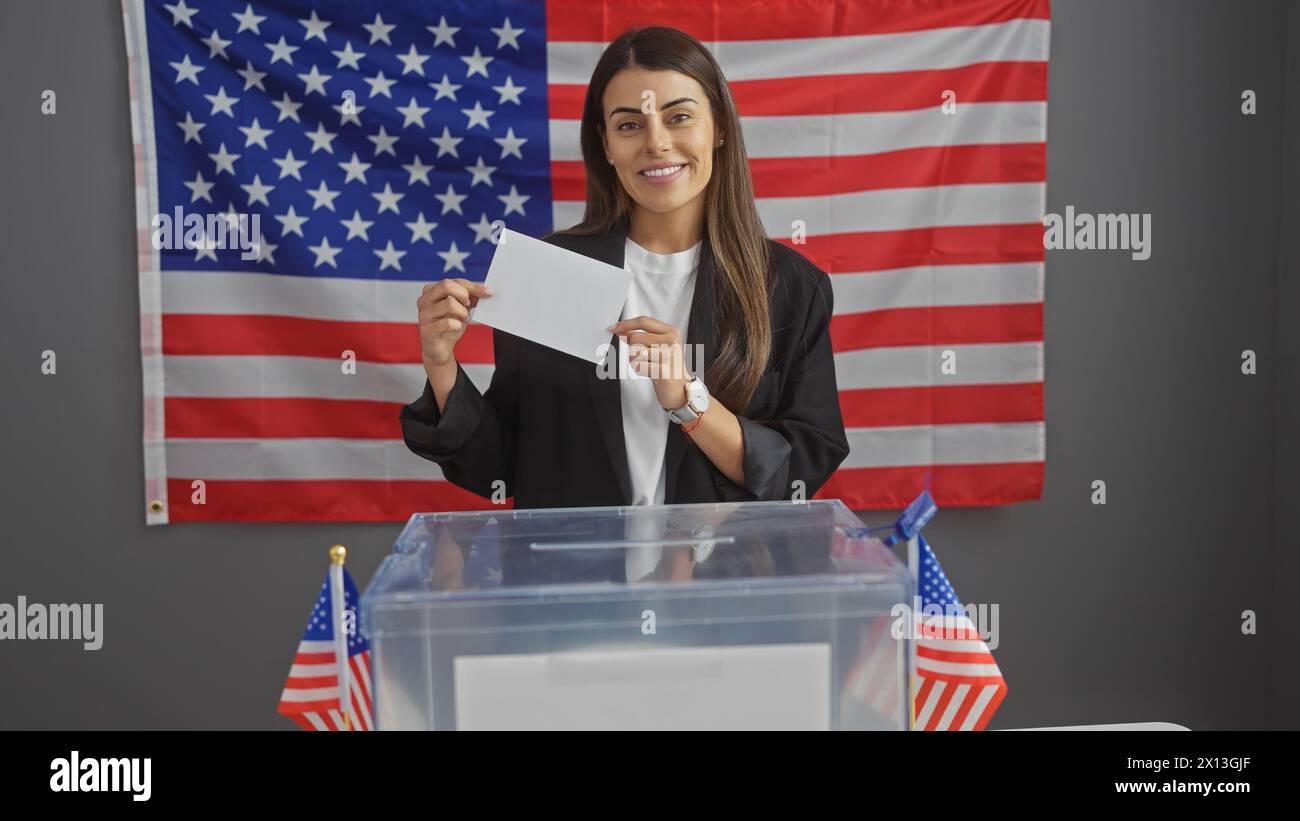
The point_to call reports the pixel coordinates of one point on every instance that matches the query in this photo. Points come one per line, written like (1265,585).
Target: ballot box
(740,615)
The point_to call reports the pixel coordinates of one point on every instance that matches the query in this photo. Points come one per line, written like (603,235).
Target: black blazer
(553,431)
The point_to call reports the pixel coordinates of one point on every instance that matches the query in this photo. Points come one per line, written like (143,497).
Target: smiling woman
(669,197)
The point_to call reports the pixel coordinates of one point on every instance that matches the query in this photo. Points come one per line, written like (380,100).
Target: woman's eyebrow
(668,104)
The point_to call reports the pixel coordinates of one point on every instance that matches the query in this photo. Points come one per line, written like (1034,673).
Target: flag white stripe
(910,366)
(297,459)
(956,668)
(888,209)
(917,366)
(901,209)
(311,646)
(861,133)
(301,376)
(342,299)
(370,300)
(938,286)
(305,459)
(944,445)
(955,646)
(937,48)
(312,670)
(923,714)
(292,694)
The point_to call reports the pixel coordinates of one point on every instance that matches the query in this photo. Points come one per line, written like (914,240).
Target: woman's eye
(638,125)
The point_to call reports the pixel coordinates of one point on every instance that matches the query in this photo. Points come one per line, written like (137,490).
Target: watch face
(697,396)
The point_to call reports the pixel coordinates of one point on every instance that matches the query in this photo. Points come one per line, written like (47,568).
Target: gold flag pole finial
(338,555)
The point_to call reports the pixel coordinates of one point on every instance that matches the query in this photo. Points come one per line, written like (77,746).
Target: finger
(643,323)
(646,338)
(445,308)
(430,294)
(476,289)
(446,325)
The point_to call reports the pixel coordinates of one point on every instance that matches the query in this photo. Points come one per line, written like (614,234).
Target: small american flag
(311,694)
(378,143)
(958,684)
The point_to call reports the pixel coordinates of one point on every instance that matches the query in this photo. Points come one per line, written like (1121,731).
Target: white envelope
(553,296)
(748,687)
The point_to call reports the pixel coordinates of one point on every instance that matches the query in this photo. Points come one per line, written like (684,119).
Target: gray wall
(1127,612)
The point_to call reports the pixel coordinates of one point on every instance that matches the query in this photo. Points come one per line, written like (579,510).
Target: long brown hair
(733,234)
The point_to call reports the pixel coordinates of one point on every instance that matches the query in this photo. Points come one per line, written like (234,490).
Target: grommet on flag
(155,506)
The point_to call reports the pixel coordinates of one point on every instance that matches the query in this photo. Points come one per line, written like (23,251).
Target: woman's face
(679,131)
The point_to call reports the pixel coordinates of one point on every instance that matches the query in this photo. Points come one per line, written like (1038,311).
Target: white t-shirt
(663,287)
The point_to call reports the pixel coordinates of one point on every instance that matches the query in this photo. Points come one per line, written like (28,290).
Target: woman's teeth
(662,172)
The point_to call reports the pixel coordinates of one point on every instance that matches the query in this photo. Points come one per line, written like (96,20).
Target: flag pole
(339,554)
(913,567)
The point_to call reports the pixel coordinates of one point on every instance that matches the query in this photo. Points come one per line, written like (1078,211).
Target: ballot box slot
(626,543)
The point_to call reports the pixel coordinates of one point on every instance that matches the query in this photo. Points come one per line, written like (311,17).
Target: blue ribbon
(917,515)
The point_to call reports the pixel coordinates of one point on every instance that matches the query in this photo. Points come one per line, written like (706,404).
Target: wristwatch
(697,402)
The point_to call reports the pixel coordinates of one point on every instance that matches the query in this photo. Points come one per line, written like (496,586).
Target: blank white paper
(553,296)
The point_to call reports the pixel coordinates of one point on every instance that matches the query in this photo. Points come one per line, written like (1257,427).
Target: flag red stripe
(940,405)
(310,682)
(359,680)
(259,334)
(822,95)
(922,696)
(378,501)
(940,325)
(270,335)
(951,655)
(309,706)
(398,342)
(573,20)
(823,176)
(894,488)
(936,245)
(334,500)
(314,658)
(280,418)
(310,417)
(341,500)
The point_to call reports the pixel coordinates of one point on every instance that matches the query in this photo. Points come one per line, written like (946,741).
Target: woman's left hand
(655,350)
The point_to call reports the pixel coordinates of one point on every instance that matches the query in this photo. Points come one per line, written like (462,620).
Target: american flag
(378,142)
(311,695)
(958,684)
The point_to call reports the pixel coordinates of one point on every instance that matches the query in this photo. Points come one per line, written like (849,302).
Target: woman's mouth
(661,176)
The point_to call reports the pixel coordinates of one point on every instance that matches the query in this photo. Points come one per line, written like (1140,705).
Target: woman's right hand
(444,314)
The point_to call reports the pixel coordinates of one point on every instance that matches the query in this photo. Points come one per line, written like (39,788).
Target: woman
(754,417)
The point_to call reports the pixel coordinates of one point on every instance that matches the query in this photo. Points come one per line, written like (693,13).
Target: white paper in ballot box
(552,296)
(745,687)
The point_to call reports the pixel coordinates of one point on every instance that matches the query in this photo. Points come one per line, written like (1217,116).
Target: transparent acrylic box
(741,615)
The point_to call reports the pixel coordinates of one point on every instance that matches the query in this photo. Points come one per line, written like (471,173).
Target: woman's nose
(657,138)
